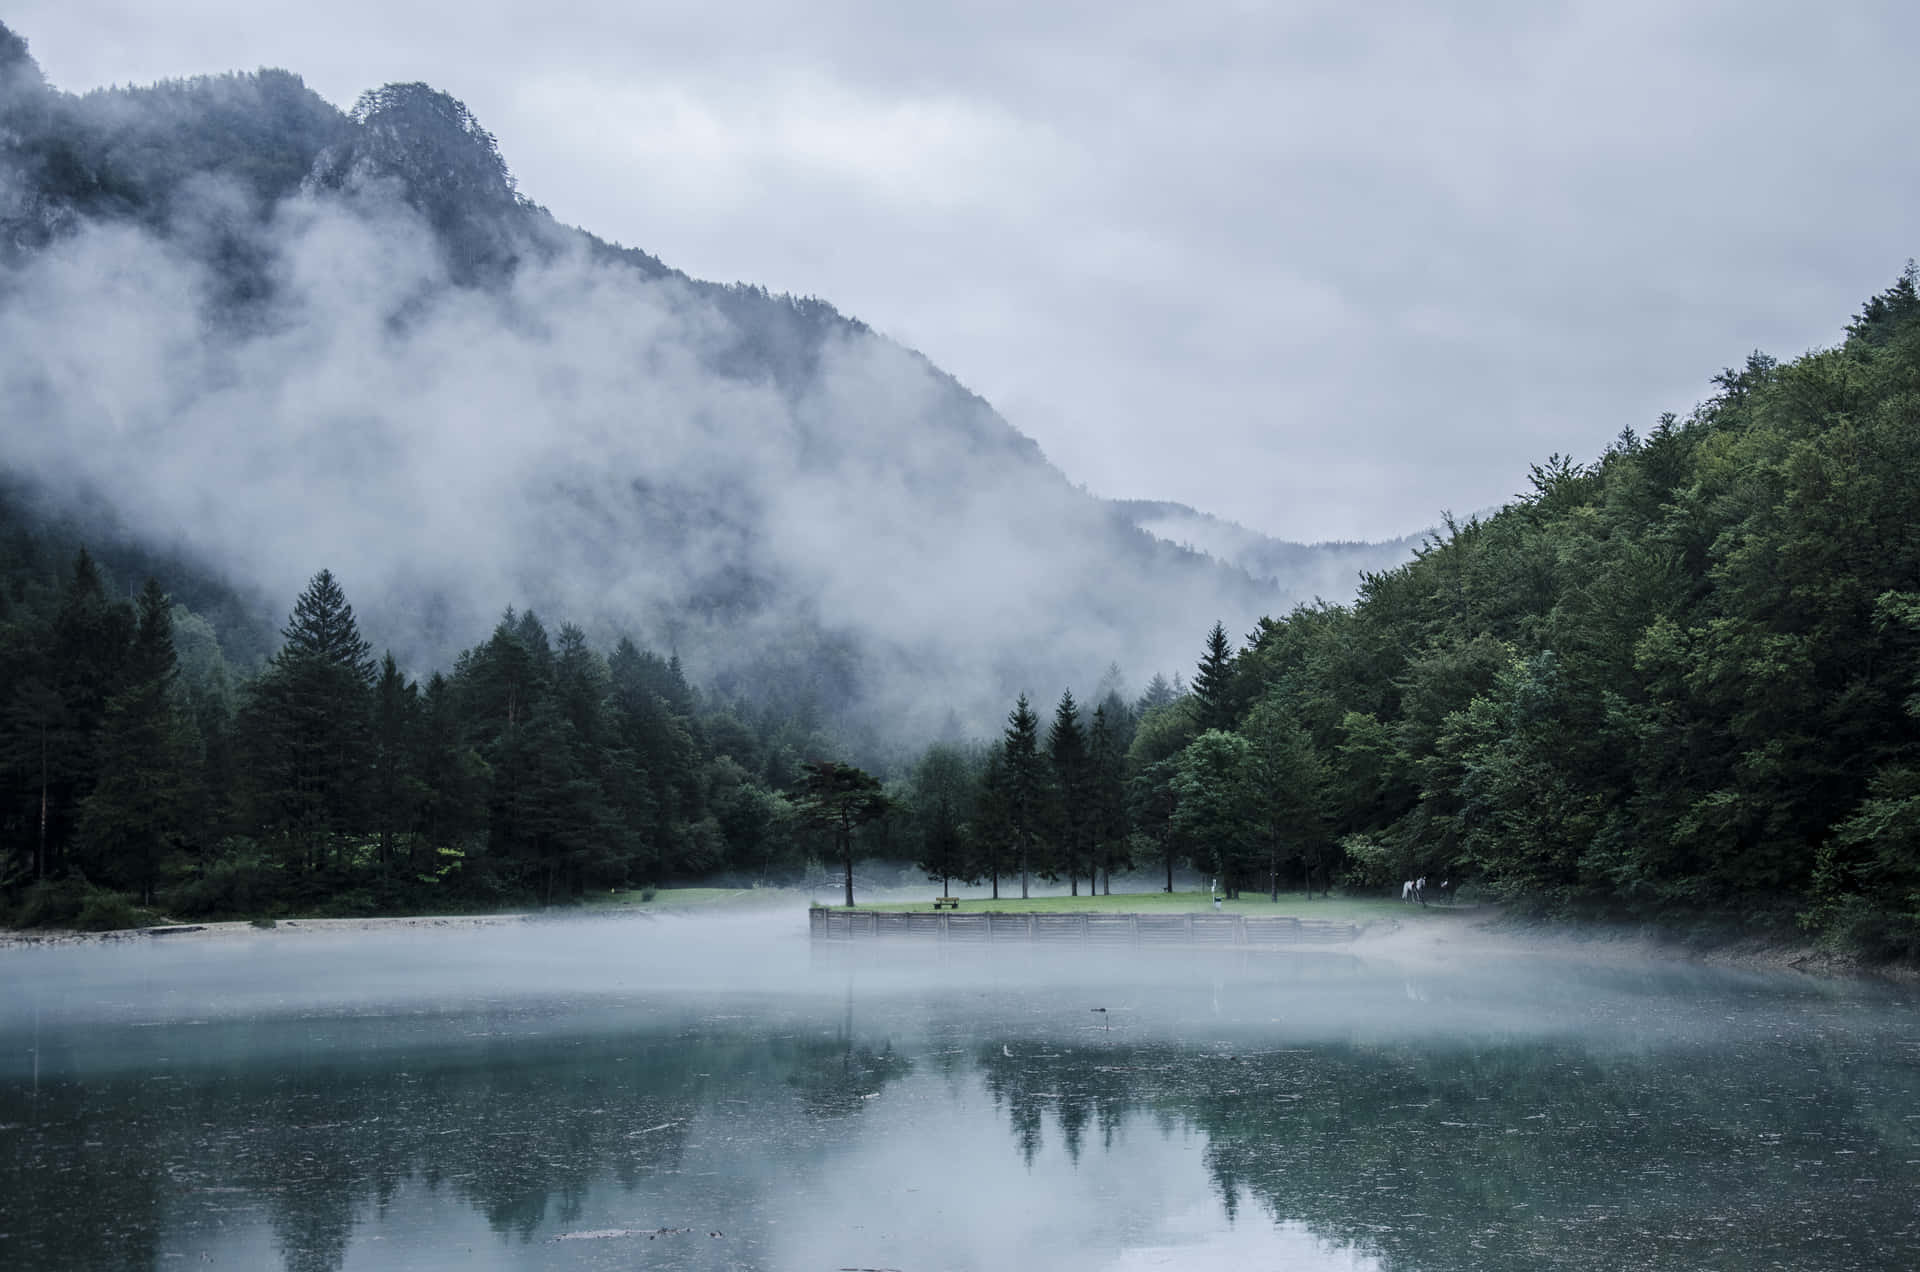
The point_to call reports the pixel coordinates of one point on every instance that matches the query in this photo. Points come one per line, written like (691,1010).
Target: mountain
(249,331)
(1329,570)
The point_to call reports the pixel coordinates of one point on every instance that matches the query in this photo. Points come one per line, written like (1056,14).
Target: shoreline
(1494,934)
(32,938)
(1477,933)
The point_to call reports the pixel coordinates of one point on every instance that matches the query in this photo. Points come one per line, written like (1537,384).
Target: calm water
(673,1095)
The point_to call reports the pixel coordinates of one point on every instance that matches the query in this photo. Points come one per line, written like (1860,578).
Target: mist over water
(534,1095)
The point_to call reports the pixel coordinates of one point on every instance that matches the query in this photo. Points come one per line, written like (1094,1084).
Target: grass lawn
(1352,909)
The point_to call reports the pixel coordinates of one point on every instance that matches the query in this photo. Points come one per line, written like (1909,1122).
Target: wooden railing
(995,928)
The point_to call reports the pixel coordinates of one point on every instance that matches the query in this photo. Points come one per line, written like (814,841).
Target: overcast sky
(1325,269)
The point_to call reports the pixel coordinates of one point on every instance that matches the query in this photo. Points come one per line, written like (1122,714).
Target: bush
(51,903)
(236,886)
(109,912)
(75,903)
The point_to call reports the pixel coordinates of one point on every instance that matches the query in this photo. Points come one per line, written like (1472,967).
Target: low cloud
(565,441)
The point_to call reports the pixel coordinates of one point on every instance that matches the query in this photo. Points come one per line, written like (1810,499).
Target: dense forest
(1681,679)
(142,769)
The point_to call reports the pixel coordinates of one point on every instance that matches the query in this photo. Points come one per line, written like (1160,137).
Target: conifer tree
(311,720)
(992,822)
(1025,784)
(89,644)
(1067,756)
(134,813)
(841,798)
(940,786)
(1159,693)
(397,789)
(1213,689)
(1106,794)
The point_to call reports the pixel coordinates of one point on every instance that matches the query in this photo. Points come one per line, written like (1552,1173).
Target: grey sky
(1322,268)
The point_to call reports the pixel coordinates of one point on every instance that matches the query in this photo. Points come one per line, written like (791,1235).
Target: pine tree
(1107,793)
(1159,693)
(991,822)
(840,798)
(1026,782)
(1067,755)
(397,790)
(311,720)
(91,640)
(134,814)
(45,751)
(1213,688)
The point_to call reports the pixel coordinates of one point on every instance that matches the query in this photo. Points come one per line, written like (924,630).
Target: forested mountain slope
(269,337)
(1683,677)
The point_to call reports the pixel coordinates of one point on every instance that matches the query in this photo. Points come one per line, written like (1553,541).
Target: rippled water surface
(683,1094)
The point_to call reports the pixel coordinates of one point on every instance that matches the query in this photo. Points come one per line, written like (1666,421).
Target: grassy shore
(1348,909)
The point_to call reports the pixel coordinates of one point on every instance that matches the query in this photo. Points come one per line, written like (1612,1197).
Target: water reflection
(977,1114)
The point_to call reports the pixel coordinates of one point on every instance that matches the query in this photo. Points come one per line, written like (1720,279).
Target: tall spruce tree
(1107,793)
(1213,689)
(134,814)
(397,789)
(992,822)
(311,718)
(1067,756)
(91,640)
(1025,775)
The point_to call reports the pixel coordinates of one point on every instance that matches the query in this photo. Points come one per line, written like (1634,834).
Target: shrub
(238,885)
(51,903)
(108,912)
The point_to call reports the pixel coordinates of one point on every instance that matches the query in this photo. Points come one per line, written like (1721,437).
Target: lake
(725,1094)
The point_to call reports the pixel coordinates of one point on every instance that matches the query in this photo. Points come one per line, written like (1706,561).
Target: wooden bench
(950,903)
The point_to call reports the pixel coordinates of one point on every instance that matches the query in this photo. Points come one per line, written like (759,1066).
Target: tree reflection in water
(1789,1141)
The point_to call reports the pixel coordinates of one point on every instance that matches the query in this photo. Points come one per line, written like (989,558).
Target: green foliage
(940,798)
(840,799)
(536,770)
(74,903)
(1682,678)
(1217,811)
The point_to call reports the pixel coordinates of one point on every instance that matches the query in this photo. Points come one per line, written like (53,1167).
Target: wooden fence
(1085,928)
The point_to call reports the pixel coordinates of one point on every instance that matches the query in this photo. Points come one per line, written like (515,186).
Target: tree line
(1682,678)
(141,769)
